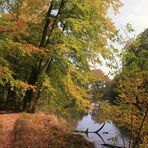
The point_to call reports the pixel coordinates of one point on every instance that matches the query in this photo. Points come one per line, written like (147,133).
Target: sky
(134,12)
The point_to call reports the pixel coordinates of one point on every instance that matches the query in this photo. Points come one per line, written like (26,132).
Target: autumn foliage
(46,48)
(132,99)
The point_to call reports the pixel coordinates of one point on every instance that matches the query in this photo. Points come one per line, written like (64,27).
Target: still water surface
(110,133)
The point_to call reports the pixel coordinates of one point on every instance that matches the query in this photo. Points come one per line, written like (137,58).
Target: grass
(45,131)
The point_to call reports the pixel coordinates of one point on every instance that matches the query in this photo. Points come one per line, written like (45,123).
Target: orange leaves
(17,26)
(23,49)
(133,102)
(33,49)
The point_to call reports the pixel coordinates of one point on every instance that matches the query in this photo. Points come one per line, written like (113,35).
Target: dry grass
(45,131)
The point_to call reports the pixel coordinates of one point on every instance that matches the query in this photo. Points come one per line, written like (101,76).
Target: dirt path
(7,122)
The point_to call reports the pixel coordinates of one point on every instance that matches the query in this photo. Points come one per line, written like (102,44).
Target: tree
(48,45)
(97,84)
(133,95)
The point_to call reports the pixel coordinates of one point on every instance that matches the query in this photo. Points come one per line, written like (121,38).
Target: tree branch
(55,22)
(45,30)
(140,129)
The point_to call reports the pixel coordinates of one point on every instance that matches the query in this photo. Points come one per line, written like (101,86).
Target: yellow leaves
(145,141)
(133,102)
(122,95)
(20,85)
(110,25)
(4,71)
(116,4)
(132,88)
(32,10)
(77,92)
(9,23)
(102,41)
(5,75)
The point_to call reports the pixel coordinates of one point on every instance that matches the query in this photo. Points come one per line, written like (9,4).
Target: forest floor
(7,123)
(37,131)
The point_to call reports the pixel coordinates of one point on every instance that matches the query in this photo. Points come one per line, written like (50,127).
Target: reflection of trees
(87,132)
(104,113)
(73,116)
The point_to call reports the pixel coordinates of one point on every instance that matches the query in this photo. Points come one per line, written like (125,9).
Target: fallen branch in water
(96,132)
(111,146)
(87,132)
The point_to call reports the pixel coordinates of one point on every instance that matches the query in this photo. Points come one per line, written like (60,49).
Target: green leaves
(129,27)
(6,76)
(132,86)
(75,31)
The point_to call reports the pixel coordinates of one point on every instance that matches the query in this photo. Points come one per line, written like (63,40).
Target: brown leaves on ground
(7,123)
(37,131)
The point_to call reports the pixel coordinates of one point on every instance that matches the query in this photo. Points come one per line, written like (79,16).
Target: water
(110,134)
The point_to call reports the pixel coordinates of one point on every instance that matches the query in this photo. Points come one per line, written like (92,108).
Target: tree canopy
(46,47)
(132,89)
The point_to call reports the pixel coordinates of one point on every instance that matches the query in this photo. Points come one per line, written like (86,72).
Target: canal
(109,135)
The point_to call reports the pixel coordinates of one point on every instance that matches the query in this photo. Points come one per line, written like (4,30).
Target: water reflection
(110,133)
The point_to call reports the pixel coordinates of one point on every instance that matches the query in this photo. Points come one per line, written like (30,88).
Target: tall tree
(54,50)
(133,94)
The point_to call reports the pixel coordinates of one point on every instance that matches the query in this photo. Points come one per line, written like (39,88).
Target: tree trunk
(29,94)
(31,98)
(137,140)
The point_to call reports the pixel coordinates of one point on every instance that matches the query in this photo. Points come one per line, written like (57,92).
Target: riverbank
(39,130)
